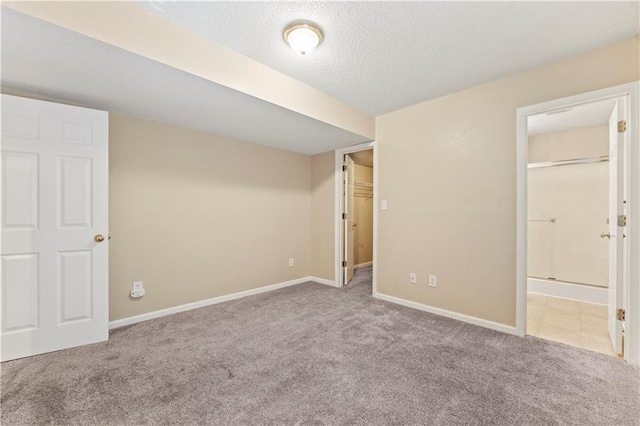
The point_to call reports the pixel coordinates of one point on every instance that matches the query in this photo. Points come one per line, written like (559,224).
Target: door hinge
(622,126)
(620,314)
(344,263)
(622,220)
(344,168)
(344,215)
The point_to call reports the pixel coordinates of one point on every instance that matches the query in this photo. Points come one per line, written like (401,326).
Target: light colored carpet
(312,354)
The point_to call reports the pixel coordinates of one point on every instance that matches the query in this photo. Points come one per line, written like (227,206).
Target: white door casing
(54,202)
(616,208)
(349,222)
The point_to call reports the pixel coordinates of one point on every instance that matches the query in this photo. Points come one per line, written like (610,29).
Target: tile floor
(574,323)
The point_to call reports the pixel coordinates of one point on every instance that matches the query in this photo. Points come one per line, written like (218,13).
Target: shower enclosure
(567,215)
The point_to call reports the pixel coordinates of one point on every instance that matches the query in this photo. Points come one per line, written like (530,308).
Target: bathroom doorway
(574,202)
(567,226)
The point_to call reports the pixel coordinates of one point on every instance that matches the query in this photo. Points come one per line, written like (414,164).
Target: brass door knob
(99,238)
(605,235)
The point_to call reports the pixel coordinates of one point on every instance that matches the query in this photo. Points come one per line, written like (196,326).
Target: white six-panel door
(54,203)
(349,224)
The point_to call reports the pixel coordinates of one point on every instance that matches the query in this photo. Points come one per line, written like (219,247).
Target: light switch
(383,204)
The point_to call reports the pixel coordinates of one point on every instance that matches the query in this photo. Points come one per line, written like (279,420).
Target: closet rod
(568,162)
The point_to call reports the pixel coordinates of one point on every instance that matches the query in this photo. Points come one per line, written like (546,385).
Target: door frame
(631,275)
(339,207)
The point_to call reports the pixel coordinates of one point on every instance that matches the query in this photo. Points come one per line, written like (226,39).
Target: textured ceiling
(381,56)
(46,60)
(587,115)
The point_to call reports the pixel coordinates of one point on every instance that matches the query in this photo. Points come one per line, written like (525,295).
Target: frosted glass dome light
(303,38)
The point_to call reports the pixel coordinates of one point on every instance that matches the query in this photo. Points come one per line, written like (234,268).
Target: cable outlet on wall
(291,262)
(413,278)
(137,290)
(433,281)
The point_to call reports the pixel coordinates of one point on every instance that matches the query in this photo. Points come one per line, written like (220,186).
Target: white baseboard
(449,314)
(323,281)
(582,293)
(362,265)
(202,303)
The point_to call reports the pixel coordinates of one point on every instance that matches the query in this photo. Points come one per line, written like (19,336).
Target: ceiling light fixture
(303,37)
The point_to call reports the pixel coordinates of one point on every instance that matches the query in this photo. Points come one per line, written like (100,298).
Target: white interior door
(54,206)
(349,228)
(616,208)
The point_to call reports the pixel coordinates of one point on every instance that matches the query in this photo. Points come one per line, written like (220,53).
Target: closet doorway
(356,200)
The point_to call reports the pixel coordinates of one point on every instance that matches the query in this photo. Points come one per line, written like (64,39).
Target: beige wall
(585,142)
(448,170)
(363,213)
(323,215)
(196,216)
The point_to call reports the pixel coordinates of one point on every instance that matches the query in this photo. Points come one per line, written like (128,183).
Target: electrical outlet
(137,290)
(413,278)
(433,281)
(291,262)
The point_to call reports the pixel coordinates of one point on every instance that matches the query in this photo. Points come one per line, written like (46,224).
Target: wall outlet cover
(413,278)
(433,282)
(137,290)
